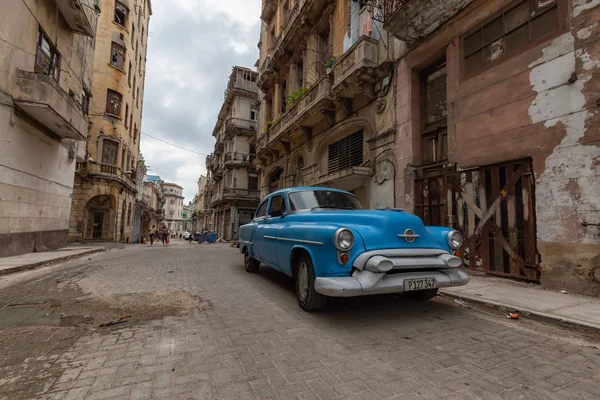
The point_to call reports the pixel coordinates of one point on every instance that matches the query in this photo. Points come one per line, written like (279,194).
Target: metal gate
(493,206)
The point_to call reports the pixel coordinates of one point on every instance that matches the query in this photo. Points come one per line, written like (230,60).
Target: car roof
(306,188)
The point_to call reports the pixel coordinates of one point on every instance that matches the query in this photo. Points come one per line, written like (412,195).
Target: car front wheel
(250,264)
(308,298)
(421,295)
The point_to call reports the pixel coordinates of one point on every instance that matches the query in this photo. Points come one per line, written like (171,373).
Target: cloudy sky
(192,46)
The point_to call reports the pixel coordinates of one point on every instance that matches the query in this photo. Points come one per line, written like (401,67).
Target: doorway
(98,222)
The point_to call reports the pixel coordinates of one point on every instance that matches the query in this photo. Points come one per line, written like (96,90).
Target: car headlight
(455,240)
(343,239)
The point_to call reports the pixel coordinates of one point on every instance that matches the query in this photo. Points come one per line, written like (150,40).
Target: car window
(262,209)
(277,203)
(309,199)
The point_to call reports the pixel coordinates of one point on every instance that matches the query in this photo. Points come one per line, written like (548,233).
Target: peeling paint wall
(540,103)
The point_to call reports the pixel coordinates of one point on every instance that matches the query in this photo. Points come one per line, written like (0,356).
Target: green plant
(330,63)
(294,97)
(269,125)
(97,8)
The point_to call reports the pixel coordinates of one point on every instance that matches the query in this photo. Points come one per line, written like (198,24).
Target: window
(130,121)
(300,74)
(109,152)
(514,28)
(117,56)
(129,75)
(252,181)
(135,133)
(309,199)
(85,101)
(134,85)
(137,100)
(434,137)
(113,102)
(277,204)
(345,153)
(47,59)
(262,210)
(132,33)
(283,97)
(172,201)
(252,115)
(126,114)
(140,65)
(136,49)
(123,160)
(121,12)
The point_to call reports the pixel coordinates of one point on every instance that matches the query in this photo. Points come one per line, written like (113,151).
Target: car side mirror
(276,213)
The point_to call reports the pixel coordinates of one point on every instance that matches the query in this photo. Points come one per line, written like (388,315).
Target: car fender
(287,268)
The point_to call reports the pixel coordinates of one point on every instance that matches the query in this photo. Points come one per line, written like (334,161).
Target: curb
(25,267)
(526,312)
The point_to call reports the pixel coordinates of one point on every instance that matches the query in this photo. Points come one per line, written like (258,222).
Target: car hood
(378,229)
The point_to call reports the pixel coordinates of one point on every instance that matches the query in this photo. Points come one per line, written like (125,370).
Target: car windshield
(309,199)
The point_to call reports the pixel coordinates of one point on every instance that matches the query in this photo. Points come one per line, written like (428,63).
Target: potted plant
(295,97)
(329,64)
(97,7)
(268,126)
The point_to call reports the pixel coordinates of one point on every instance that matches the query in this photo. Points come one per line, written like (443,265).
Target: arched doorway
(98,217)
(275,181)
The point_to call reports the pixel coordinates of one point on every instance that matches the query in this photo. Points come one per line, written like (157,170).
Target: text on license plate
(419,284)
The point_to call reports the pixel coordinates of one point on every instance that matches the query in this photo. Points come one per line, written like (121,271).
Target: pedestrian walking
(165,235)
(152,235)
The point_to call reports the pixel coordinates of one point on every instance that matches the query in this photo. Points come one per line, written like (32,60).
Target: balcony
(238,81)
(302,17)
(218,173)
(344,179)
(238,158)
(268,9)
(220,144)
(242,194)
(306,112)
(358,63)
(40,97)
(411,20)
(240,126)
(94,169)
(80,15)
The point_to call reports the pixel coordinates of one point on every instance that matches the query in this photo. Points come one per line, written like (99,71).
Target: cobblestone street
(203,328)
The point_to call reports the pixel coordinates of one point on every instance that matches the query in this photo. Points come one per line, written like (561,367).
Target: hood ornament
(409,235)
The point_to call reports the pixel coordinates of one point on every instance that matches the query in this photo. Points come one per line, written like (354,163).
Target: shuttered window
(345,153)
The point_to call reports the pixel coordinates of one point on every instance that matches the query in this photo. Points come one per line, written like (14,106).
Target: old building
(173,207)
(199,214)
(327,108)
(497,131)
(106,181)
(231,167)
(142,214)
(154,198)
(46,52)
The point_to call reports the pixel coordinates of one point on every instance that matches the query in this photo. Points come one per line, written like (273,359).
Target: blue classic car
(323,239)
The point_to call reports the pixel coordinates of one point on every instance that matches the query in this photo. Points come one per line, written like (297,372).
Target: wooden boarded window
(515,27)
(117,56)
(113,102)
(434,137)
(346,153)
(47,59)
(109,152)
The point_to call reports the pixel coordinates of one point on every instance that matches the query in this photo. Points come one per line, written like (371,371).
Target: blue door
(257,238)
(271,226)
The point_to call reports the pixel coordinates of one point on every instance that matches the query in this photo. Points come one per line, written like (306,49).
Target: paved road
(246,338)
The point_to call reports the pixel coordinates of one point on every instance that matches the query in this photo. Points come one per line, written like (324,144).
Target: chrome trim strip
(403,235)
(294,240)
(246,242)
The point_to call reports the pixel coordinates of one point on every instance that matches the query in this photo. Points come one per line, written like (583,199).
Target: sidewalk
(9,265)
(529,299)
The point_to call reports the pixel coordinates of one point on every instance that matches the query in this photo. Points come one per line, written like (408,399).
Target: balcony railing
(359,58)
(238,81)
(268,9)
(238,157)
(44,100)
(106,170)
(411,20)
(235,193)
(300,112)
(80,15)
(240,123)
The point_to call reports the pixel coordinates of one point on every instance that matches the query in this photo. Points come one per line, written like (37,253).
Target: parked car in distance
(323,239)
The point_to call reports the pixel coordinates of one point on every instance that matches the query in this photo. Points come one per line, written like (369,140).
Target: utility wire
(174,145)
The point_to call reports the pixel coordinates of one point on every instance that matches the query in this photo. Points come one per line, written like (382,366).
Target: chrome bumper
(363,283)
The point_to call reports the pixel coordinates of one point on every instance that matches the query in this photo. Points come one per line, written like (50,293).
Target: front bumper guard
(363,283)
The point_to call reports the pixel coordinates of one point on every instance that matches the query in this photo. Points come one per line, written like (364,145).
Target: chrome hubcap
(303,280)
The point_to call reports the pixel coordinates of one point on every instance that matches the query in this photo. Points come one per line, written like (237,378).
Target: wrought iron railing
(241,157)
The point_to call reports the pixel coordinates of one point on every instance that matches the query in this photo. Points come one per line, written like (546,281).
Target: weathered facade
(46,57)
(173,207)
(234,187)
(497,131)
(106,179)
(154,198)
(199,215)
(327,109)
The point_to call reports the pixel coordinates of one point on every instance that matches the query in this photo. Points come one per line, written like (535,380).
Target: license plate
(419,284)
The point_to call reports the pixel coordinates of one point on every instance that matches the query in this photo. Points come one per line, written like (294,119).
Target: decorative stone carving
(380,105)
